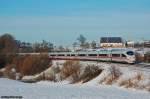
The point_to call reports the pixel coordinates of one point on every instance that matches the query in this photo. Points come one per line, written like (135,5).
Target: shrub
(1,74)
(129,83)
(51,73)
(139,57)
(132,82)
(10,71)
(114,75)
(70,68)
(18,62)
(34,64)
(139,76)
(89,73)
(147,57)
(2,61)
(29,64)
(148,88)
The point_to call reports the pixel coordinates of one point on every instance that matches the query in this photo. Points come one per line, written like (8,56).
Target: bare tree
(86,45)
(44,46)
(93,44)
(8,48)
(82,40)
(7,44)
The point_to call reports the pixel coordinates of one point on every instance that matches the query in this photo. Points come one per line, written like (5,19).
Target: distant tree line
(82,43)
(8,44)
(142,45)
(26,47)
(9,47)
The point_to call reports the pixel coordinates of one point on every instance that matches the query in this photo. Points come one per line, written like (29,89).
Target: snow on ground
(90,90)
(50,90)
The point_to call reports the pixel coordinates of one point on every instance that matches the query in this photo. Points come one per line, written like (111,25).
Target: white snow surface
(63,90)
(89,90)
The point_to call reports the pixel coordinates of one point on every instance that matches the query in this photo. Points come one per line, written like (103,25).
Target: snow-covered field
(92,89)
(50,90)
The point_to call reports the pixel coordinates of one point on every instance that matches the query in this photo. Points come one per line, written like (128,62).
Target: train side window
(81,54)
(72,54)
(123,55)
(115,55)
(92,55)
(68,54)
(52,55)
(61,55)
(102,54)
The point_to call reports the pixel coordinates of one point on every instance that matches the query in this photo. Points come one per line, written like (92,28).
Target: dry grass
(1,74)
(52,74)
(9,71)
(114,75)
(89,73)
(48,75)
(70,68)
(34,64)
(147,57)
(27,65)
(149,86)
(132,82)
(148,89)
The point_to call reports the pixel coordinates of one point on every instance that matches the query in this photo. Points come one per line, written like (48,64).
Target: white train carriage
(116,55)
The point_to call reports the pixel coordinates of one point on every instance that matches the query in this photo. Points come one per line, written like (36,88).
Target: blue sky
(61,21)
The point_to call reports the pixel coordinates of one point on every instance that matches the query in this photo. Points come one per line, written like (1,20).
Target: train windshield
(130,53)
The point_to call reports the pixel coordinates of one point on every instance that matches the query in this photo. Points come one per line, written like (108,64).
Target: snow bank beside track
(47,90)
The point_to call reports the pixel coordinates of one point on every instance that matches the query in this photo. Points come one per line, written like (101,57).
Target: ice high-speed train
(113,55)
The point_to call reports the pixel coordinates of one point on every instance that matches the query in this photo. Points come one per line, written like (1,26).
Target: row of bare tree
(9,46)
(82,42)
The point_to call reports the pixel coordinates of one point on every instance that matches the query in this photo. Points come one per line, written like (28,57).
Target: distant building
(114,42)
(146,44)
(130,43)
